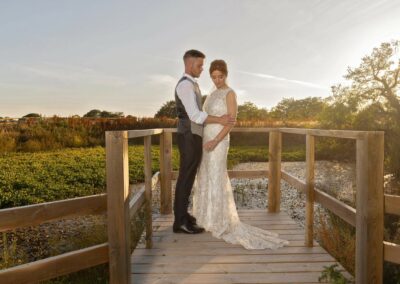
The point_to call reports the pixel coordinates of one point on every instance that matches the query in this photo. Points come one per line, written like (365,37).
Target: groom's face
(197,66)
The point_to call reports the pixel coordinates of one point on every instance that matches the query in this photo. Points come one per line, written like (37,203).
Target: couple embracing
(207,128)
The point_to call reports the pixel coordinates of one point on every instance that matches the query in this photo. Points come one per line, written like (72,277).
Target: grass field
(29,178)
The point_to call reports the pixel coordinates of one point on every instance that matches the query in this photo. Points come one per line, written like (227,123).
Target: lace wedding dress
(213,203)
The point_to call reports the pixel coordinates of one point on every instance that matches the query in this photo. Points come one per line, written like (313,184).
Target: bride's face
(218,78)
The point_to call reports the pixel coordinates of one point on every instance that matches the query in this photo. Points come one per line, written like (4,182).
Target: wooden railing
(121,205)
(392,251)
(371,202)
(66,263)
(368,218)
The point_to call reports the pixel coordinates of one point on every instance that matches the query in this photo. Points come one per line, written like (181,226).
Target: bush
(338,238)
(7,143)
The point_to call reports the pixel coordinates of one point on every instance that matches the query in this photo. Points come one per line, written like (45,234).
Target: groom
(190,143)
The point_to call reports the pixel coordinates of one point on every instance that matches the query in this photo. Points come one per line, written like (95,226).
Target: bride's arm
(232,112)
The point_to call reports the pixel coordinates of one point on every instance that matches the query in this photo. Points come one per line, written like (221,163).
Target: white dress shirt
(185,92)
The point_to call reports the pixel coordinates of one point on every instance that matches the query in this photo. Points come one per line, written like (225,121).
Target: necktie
(196,88)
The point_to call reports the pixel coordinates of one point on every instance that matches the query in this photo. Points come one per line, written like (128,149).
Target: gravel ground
(332,177)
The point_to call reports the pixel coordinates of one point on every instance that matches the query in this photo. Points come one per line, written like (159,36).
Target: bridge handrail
(121,205)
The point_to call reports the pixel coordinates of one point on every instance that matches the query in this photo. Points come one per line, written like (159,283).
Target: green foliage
(46,176)
(332,275)
(300,110)
(167,110)
(8,142)
(338,238)
(61,174)
(92,233)
(94,275)
(95,113)
(338,114)
(29,178)
(391,273)
(243,154)
(240,154)
(10,256)
(370,101)
(249,111)
(32,115)
(32,135)
(246,111)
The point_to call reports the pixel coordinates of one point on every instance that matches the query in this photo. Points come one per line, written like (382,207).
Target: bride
(213,203)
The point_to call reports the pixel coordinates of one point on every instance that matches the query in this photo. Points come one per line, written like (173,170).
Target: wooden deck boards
(181,258)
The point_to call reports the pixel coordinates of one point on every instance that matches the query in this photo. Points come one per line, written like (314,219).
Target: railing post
(369,209)
(118,223)
(165,172)
(310,159)
(274,173)
(148,189)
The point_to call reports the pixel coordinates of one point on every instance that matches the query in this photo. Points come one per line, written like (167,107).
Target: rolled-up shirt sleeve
(187,95)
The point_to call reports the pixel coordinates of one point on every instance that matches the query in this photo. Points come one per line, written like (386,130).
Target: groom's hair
(193,53)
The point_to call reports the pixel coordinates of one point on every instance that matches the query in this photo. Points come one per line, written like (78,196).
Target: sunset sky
(67,57)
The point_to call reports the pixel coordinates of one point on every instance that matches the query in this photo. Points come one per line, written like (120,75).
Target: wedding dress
(213,202)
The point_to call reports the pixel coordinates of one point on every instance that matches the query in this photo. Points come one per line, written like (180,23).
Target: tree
(375,82)
(109,114)
(96,113)
(167,110)
(32,115)
(93,113)
(249,111)
(377,78)
(370,101)
(300,110)
(337,113)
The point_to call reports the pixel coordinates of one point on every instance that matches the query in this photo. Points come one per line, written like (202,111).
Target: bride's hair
(219,65)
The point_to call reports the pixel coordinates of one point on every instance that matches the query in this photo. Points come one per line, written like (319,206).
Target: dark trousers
(190,150)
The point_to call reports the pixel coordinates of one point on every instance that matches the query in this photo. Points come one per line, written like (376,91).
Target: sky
(67,57)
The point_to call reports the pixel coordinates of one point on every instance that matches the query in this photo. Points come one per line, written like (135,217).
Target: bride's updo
(219,65)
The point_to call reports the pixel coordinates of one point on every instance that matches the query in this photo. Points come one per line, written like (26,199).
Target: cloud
(163,79)
(241,92)
(164,58)
(75,74)
(271,77)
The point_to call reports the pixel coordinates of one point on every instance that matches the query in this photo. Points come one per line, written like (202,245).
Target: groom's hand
(227,120)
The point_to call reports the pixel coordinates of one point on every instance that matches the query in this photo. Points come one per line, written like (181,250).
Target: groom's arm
(224,120)
(186,94)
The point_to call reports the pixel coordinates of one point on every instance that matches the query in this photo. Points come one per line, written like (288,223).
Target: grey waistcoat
(184,122)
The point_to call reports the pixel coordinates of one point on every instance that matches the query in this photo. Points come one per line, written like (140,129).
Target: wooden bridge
(175,258)
(178,258)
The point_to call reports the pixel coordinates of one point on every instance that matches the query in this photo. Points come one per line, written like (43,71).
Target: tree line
(288,109)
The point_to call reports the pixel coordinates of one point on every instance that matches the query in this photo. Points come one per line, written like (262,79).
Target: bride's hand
(210,145)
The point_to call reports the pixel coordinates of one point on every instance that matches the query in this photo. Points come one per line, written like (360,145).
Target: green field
(29,178)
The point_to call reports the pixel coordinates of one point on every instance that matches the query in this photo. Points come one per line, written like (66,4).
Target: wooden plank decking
(180,258)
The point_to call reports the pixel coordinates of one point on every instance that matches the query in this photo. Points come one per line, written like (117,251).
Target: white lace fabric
(213,202)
